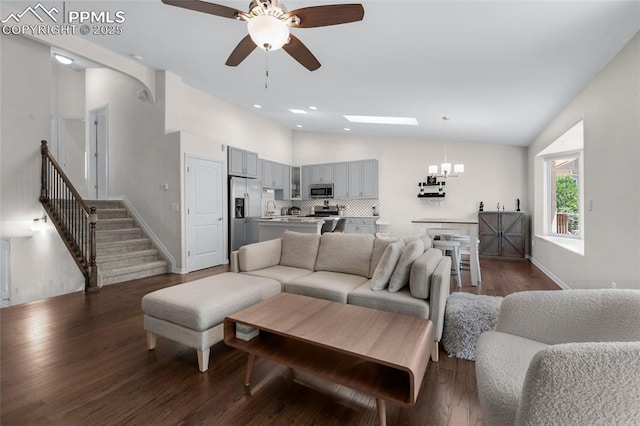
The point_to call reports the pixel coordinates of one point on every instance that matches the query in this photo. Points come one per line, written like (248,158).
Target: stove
(324,211)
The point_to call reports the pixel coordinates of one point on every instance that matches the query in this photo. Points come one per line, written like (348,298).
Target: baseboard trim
(549,274)
(147,230)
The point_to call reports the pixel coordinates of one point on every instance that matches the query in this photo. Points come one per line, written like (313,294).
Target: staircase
(123,251)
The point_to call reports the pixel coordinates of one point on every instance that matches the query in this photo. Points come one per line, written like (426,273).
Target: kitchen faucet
(271,212)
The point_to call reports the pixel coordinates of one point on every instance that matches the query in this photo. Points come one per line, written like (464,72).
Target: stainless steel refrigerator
(246,206)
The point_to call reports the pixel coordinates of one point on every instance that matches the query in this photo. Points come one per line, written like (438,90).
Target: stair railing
(72,217)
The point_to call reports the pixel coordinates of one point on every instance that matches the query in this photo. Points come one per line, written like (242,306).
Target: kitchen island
(272,228)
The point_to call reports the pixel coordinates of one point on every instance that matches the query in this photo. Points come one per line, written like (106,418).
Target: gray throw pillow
(386,266)
(400,276)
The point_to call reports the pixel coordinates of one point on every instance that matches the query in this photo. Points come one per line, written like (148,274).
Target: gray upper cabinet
(273,174)
(242,163)
(322,173)
(341,180)
(286,185)
(363,179)
(306,181)
(351,179)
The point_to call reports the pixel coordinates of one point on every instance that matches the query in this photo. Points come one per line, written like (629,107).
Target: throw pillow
(400,276)
(386,266)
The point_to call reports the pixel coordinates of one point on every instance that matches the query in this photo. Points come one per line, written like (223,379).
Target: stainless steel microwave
(321,190)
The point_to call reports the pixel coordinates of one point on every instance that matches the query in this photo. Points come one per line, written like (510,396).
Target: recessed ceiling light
(312,108)
(369,119)
(136,57)
(257,106)
(346,129)
(298,111)
(299,126)
(63,59)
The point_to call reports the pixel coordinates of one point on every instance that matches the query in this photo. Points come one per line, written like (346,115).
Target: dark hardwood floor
(81,359)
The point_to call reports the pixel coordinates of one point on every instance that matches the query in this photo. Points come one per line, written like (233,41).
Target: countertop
(446,220)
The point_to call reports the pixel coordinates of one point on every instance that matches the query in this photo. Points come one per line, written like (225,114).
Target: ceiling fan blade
(242,50)
(333,14)
(206,7)
(301,53)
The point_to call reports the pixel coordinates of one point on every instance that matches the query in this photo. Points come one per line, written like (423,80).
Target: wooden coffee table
(375,352)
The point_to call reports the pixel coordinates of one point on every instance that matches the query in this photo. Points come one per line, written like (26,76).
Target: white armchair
(569,357)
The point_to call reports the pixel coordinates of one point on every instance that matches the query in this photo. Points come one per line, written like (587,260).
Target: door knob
(219,218)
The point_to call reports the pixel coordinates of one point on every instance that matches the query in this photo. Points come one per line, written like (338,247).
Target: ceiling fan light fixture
(268,32)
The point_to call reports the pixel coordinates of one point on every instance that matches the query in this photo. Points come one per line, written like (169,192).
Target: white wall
(40,264)
(68,122)
(141,157)
(610,107)
(493,173)
(218,120)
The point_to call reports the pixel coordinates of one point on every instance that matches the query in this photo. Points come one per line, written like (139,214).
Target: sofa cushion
(400,276)
(334,286)
(421,271)
(400,302)
(379,246)
(299,249)
(386,266)
(282,274)
(347,253)
(500,373)
(259,255)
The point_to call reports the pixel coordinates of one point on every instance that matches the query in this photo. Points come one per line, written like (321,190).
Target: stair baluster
(74,220)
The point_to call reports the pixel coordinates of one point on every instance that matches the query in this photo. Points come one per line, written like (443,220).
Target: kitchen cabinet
(341,180)
(306,181)
(502,234)
(242,163)
(360,225)
(321,173)
(363,179)
(273,174)
(286,183)
(351,179)
(296,182)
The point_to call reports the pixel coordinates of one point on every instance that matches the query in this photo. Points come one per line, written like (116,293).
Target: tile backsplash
(362,208)
(359,208)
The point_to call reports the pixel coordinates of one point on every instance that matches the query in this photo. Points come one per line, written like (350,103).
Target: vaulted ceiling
(500,69)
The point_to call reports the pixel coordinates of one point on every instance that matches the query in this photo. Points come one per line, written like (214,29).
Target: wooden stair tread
(134,268)
(126,255)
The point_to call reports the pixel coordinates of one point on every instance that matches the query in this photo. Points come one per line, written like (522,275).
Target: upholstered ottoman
(466,316)
(193,313)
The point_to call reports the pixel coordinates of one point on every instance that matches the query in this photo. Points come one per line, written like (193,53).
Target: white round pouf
(466,316)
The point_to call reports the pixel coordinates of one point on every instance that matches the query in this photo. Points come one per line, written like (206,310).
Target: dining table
(467,226)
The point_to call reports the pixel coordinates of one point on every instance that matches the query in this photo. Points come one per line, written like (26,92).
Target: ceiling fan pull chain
(266,69)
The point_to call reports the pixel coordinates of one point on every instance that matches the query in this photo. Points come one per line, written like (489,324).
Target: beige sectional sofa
(340,267)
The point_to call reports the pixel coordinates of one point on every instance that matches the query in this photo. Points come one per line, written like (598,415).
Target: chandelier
(445,167)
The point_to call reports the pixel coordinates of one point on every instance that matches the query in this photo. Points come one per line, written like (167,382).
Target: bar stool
(451,246)
(465,248)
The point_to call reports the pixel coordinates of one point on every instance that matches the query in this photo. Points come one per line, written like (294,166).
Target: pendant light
(445,167)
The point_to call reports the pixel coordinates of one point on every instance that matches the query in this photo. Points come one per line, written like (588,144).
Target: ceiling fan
(269,22)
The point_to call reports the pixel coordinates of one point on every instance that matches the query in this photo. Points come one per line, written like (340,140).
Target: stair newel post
(93,269)
(44,174)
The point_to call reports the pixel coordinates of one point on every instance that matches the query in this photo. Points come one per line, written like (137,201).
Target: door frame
(103,167)
(223,192)
(5,278)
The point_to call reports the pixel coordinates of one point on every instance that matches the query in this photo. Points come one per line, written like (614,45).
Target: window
(563,191)
(562,207)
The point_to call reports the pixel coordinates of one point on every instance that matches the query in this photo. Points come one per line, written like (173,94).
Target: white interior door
(5,275)
(205,218)
(98,157)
